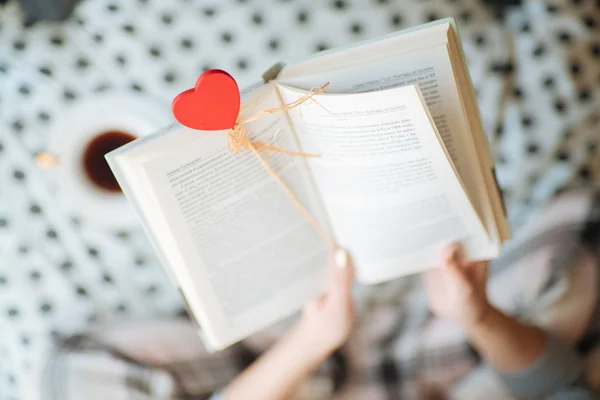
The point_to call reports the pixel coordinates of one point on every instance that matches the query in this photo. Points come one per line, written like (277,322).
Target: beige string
(305,213)
(238,141)
(46,160)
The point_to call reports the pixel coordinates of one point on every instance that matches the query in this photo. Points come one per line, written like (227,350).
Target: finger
(314,304)
(480,272)
(432,277)
(340,281)
(343,273)
(452,263)
(436,283)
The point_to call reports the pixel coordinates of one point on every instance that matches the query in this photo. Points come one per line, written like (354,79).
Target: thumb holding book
(328,319)
(457,289)
(324,326)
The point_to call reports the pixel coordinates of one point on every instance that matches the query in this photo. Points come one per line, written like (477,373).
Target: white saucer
(71,133)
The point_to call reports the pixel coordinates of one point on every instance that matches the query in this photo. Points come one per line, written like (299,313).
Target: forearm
(531,363)
(279,372)
(325,325)
(507,344)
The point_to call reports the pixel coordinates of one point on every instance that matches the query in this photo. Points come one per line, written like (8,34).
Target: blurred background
(535,68)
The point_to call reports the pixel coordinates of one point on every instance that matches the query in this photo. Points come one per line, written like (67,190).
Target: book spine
(500,192)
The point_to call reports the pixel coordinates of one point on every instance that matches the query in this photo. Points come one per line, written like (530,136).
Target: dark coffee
(95,164)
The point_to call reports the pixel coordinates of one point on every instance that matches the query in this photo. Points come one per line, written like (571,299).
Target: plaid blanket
(547,276)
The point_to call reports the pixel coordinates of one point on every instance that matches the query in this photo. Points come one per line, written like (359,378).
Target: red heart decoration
(213,104)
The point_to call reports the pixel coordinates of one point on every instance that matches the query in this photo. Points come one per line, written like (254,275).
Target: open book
(404,168)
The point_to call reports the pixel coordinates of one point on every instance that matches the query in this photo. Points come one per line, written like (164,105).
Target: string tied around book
(238,139)
(223,94)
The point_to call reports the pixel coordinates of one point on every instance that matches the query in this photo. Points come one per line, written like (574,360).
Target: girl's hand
(327,321)
(457,289)
(324,326)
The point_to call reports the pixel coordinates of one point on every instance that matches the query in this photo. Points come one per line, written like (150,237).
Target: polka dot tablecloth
(536,73)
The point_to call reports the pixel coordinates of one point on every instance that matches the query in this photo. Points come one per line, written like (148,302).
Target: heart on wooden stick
(213,104)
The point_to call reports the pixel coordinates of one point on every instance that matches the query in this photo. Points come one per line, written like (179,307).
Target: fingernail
(341,258)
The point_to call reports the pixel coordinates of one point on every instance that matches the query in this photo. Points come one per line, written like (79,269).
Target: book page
(252,257)
(391,192)
(387,64)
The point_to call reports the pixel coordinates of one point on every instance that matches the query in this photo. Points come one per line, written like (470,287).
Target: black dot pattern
(120,60)
(257,19)
(169,77)
(19,45)
(45,308)
(537,99)
(128,28)
(563,156)
(66,265)
(274,44)
(356,28)
(302,16)
(155,51)
(35,275)
(45,70)
(43,116)
(590,22)
(186,43)
(396,20)
(549,82)
(57,41)
(81,291)
(167,18)
(539,50)
(533,148)
(17,126)
(560,106)
(209,12)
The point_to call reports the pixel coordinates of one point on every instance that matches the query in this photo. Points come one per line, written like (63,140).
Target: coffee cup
(77,144)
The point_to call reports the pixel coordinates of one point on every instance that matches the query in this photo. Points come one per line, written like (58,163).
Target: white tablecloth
(536,76)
